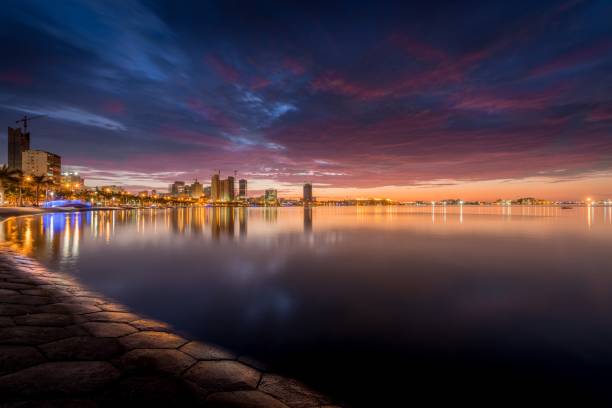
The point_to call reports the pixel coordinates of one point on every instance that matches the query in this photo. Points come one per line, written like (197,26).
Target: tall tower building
(242,189)
(227,189)
(18,143)
(231,186)
(223,190)
(215,188)
(307,197)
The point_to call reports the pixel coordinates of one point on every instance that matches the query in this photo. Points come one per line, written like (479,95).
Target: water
(369,304)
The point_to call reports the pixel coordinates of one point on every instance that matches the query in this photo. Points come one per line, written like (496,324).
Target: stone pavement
(64,346)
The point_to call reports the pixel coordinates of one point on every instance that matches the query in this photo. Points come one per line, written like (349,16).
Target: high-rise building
(227,189)
(18,143)
(222,190)
(207,191)
(271,196)
(197,189)
(177,188)
(215,188)
(242,189)
(41,163)
(307,197)
(231,189)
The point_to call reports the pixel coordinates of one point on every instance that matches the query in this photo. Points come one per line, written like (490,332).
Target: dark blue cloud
(438,90)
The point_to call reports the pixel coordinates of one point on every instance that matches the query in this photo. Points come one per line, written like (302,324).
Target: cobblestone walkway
(63,346)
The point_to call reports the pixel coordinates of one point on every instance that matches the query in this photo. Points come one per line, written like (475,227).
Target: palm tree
(8,177)
(39,181)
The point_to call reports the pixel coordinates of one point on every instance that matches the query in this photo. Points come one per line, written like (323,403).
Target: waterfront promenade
(64,346)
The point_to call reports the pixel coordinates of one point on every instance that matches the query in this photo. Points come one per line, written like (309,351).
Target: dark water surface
(369,304)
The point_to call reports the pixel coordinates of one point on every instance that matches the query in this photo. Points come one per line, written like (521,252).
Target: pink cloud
(213,115)
(419,50)
(333,82)
(600,114)
(440,69)
(113,106)
(521,101)
(16,77)
(259,82)
(573,59)
(226,71)
(294,66)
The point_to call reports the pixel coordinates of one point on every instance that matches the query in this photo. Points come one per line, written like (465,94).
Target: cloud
(265,112)
(99,177)
(14,77)
(224,70)
(126,34)
(467,94)
(579,57)
(71,114)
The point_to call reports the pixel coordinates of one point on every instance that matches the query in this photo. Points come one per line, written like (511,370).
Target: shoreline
(62,343)
(16,212)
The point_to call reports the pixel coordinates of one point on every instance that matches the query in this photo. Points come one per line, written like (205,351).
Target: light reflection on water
(326,294)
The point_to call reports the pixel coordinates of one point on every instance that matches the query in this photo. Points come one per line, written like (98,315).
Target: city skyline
(485,101)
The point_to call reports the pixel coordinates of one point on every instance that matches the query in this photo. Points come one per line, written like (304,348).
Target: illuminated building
(307,197)
(227,189)
(207,191)
(177,188)
(215,188)
(72,180)
(111,189)
(242,189)
(197,190)
(18,143)
(271,196)
(41,163)
(222,190)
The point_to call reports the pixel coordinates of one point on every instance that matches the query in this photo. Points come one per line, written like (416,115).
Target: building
(41,163)
(230,191)
(18,143)
(307,197)
(177,188)
(111,189)
(271,196)
(72,181)
(197,190)
(215,188)
(227,190)
(242,189)
(222,190)
(207,191)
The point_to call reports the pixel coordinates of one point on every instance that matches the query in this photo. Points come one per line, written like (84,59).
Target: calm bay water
(485,304)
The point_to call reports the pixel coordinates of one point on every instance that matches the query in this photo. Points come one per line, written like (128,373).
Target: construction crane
(26,119)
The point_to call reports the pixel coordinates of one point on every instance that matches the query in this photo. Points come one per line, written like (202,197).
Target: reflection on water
(461,295)
(59,236)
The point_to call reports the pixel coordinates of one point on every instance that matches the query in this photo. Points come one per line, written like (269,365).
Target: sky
(405,100)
